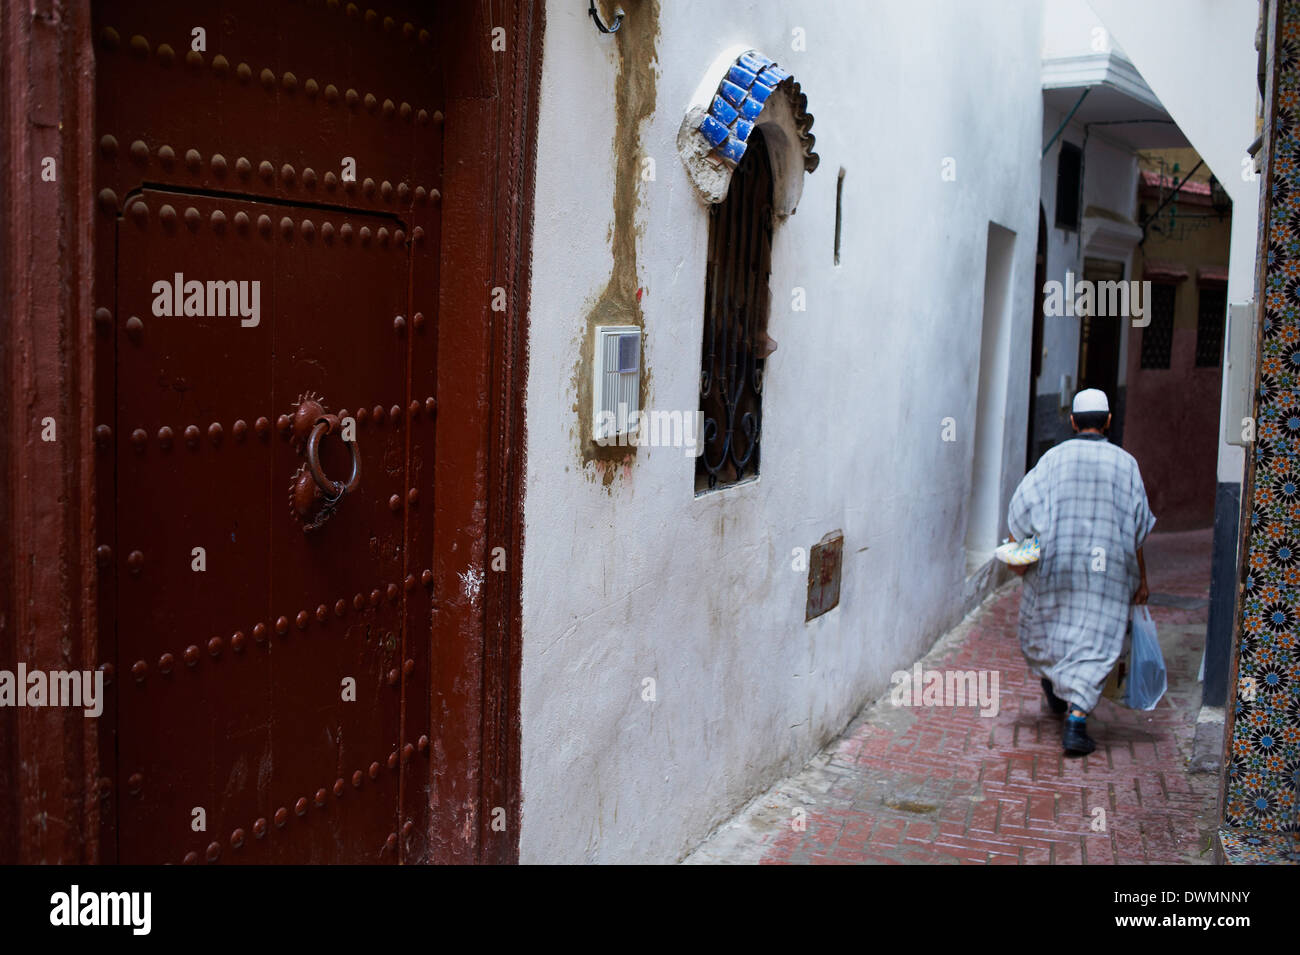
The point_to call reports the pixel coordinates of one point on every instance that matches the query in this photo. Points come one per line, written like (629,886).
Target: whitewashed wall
(1199,57)
(640,578)
(1110,177)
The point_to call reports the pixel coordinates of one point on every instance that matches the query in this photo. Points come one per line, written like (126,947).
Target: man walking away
(1086,502)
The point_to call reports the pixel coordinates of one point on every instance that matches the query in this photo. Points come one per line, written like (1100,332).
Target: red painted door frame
(53,805)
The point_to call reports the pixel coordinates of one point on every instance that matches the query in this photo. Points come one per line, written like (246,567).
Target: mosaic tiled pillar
(1262,774)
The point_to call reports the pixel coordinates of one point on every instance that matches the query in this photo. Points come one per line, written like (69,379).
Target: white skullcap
(1090,399)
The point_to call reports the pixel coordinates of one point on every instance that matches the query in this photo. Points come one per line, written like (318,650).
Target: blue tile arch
(741,95)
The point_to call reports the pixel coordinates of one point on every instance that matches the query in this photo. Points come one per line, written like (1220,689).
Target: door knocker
(313,495)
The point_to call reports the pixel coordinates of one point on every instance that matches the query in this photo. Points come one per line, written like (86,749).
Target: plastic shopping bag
(1147,679)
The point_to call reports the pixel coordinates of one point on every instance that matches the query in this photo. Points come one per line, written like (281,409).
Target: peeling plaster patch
(471,583)
(710,175)
(635,45)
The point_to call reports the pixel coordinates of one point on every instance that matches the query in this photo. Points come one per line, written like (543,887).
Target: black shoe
(1075,738)
(1057,705)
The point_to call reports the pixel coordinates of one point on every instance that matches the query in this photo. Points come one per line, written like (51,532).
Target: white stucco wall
(641,578)
(1110,177)
(1199,57)
(1071,28)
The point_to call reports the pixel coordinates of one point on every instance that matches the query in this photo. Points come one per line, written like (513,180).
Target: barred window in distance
(1209,327)
(1158,337)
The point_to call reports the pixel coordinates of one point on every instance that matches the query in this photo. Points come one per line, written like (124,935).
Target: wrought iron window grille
(1212,306)
(1158,337)
(736,305)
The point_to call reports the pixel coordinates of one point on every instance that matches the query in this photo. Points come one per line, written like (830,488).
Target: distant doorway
(983,508)
(1099,342)
(1036,339)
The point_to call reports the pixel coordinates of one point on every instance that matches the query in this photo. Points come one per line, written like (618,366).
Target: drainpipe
(1066,122)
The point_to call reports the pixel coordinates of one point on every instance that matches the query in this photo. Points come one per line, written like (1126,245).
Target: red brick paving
(945,785)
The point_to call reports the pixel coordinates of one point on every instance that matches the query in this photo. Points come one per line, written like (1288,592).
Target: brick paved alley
(944,785)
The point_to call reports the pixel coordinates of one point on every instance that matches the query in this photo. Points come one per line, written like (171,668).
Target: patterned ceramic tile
(1264,763)
(1251,847)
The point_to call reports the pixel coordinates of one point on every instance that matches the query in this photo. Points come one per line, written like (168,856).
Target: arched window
(736,306)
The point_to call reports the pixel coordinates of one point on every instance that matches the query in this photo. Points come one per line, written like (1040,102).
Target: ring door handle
(333,490)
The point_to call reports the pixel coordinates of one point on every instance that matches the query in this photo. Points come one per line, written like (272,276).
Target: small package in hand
(1018,553)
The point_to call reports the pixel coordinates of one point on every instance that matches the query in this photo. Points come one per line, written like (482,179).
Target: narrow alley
(634,433)
(945,785)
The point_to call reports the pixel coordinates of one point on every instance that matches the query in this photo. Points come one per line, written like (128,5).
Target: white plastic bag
(1147,679)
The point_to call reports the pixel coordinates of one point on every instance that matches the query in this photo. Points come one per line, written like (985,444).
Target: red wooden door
(272,661)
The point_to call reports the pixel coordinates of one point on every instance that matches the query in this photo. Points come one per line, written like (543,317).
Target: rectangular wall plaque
(824,575)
